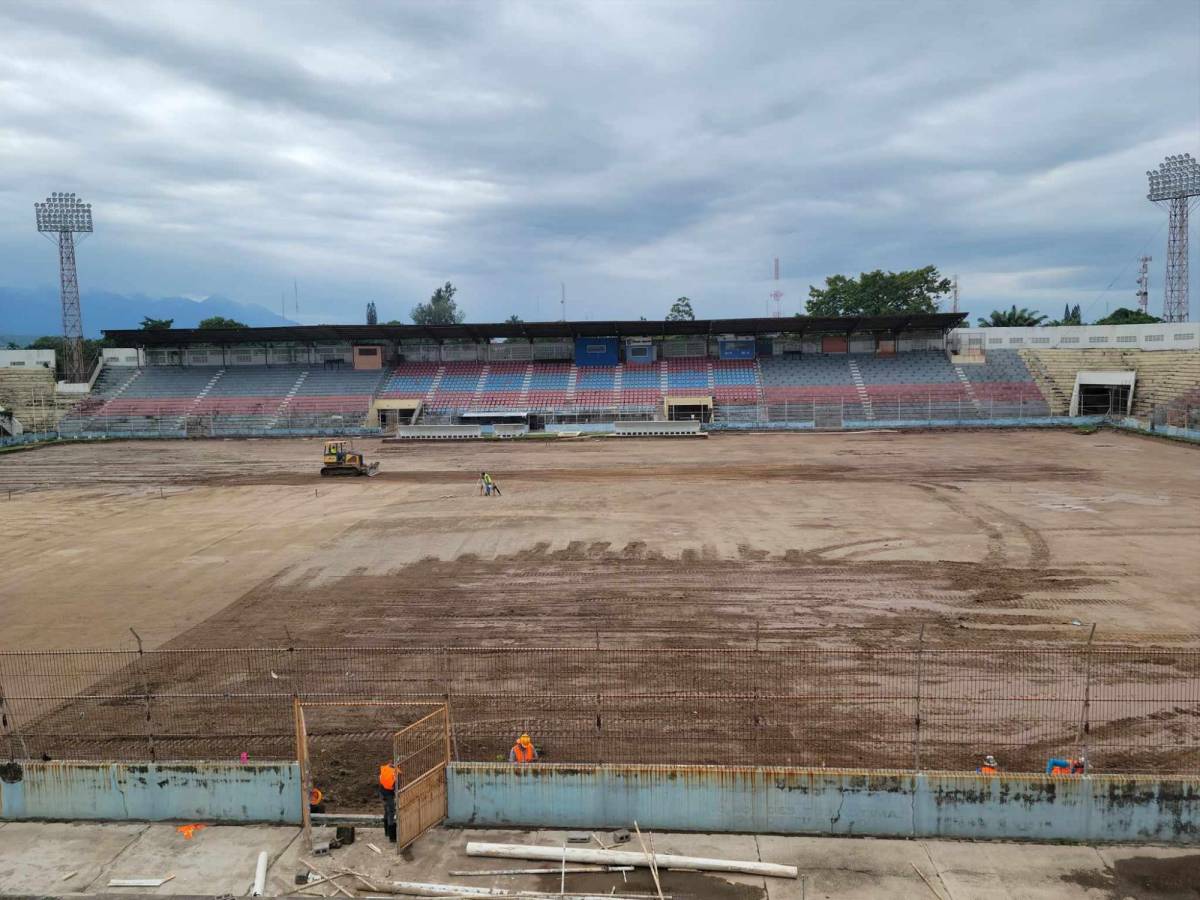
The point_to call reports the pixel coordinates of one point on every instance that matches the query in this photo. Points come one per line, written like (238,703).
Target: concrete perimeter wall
(828,801)
(152,792)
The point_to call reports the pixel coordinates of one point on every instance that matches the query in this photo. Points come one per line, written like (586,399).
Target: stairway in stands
(860,388)
(283,405)
(969,388)
(523,399)
(200,396)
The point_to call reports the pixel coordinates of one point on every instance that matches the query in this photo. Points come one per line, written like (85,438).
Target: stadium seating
(788,379)
(457,387)
(410,380)
(595,387)
(641,386)
(549,385)
(1163,377)
(502,386)
(735,381)
(821,388)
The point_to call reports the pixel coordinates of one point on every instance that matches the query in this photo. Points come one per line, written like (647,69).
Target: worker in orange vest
(989,767)
(522,751)
(1056,765)
(389,777)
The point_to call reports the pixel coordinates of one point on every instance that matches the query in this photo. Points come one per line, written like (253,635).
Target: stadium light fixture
(1176,182)
(65,215)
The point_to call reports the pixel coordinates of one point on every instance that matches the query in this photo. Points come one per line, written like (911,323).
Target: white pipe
(260,875)
(627,858)
(433,889)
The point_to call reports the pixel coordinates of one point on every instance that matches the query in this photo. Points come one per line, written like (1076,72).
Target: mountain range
(37,311)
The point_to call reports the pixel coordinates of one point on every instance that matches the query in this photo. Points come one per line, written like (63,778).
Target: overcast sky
(634,151)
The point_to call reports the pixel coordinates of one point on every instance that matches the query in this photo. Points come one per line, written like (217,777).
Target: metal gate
(421,753)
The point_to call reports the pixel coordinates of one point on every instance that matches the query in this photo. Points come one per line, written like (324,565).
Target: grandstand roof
(175,337)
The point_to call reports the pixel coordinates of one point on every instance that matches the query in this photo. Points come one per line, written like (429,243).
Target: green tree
(1126,316)
(1071,316)
(393,322)
(151,324)
(681,311)
(440,310)
(514,319)
(221,322)
(1012,318)
(372,315)
(879,293)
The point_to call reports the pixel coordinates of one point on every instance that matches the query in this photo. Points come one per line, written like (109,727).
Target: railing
(908,704)
(930,408)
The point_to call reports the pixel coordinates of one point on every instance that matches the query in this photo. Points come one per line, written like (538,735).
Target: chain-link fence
(912,706)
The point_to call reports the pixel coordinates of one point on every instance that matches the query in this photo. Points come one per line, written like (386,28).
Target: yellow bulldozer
(342,459)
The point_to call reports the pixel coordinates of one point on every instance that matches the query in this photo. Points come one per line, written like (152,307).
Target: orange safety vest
(387,777)
(522,753)
(987,770)
(1075,768)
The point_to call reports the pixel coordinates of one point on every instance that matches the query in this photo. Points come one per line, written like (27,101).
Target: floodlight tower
(65,215)
(1176,182)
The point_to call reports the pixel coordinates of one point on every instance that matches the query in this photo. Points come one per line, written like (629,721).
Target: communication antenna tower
(777,295)
(563,299)
(954,294)
(1175,183)
(65,215)
(1143,284)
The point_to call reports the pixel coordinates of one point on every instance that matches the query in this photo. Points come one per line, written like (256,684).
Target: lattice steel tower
(1176,182)
(65,215)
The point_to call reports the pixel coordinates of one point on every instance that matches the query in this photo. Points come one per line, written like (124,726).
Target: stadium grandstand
(513,377)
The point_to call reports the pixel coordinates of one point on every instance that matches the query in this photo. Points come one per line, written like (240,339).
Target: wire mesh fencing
(913,706)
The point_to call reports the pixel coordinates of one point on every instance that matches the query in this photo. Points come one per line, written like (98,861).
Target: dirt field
(992,540)
(683,543)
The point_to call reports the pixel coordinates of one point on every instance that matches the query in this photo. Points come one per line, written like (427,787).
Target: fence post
(1085,725)
(8,721)
(145,694)
(599,701)
(917,717)
(448,681)
(755,723)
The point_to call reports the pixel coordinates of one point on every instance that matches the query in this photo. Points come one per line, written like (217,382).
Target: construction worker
(989,767)
(523,750)
(489,484)
(389,776)
(1056,765)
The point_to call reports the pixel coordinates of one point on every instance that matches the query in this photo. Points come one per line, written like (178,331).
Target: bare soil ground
(993,540)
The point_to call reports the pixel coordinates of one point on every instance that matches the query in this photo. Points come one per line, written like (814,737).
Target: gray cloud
(634,151)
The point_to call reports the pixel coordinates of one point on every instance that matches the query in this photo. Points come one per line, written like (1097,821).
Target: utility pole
(777,295)
(1143,284)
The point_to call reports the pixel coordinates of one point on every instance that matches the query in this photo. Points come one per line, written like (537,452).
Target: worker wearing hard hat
(389,777)
(523,750)
(989,767)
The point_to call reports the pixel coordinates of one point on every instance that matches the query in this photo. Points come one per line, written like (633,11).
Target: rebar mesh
(913,706)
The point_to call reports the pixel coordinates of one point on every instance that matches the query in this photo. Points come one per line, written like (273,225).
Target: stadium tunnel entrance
(685,409)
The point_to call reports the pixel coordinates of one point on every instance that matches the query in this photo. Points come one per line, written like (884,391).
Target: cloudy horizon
(633,152)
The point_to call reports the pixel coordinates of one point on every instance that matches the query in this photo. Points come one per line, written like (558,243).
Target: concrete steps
(860,388)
